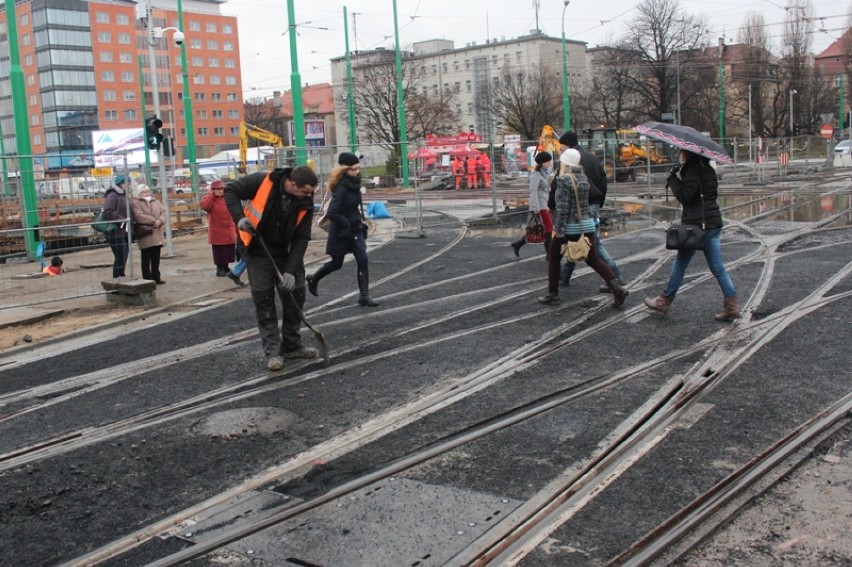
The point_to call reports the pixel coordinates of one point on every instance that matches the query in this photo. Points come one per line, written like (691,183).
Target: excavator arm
(249,131)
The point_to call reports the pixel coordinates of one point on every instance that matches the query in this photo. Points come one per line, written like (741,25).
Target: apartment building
(81,64)
(465,71)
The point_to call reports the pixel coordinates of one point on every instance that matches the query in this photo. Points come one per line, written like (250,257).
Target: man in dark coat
(280,209)
(596,175)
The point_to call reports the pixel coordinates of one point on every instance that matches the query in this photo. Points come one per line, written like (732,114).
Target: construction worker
(486,170)
(458,172)
(471,171)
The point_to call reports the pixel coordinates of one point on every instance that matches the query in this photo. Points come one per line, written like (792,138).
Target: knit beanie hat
(569,139)
(119,180)
(137,192)
(570,157)
(348,159)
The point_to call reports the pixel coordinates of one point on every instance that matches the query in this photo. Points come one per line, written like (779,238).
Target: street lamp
(155,35)
(792,92)
(566,101)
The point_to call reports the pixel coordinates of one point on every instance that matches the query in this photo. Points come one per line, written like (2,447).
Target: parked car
(843,148)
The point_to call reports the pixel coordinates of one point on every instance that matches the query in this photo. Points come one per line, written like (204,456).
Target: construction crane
(250,131)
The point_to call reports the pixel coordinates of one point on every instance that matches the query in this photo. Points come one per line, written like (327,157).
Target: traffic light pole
(155,94)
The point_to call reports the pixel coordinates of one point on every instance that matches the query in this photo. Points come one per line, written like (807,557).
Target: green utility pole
(400,103)
(296,86)
(841,96)
(349,93)
(187,105)
(149,177)
(566,99)
(26,177)
(721,93)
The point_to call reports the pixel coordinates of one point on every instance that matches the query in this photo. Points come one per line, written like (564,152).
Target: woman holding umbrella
(694,184)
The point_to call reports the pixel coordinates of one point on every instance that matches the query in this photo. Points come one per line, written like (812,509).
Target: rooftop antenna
(536,5)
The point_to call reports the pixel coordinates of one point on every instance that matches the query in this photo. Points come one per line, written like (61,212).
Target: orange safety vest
(254,209)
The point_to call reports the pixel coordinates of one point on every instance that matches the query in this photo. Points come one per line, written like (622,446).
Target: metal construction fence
(432,196)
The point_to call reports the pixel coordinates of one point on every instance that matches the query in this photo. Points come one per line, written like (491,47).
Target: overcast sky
(265,51)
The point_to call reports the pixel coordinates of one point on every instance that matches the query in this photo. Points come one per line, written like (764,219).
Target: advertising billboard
(114,148)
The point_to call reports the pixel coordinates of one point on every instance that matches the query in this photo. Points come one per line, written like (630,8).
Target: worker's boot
(730,310)
(619,294)
(517,246)
(364,287)
(660,304)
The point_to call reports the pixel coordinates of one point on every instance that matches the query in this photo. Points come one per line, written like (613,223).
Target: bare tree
(523,101)
(375,96)
(797,45)
(755,73)
(660,30)
(266,114)
(609,98)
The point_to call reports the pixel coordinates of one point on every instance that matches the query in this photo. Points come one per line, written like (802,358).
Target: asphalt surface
(459,315)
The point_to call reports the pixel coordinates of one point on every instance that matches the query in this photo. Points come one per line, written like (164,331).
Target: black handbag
(535,229)
(688,236)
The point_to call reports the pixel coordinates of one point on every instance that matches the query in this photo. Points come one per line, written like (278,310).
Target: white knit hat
(570,157)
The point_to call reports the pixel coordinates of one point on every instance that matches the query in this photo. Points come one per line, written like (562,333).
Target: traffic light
(152,132)
(796,130)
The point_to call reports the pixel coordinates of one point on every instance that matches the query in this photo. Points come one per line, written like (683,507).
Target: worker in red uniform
(486,170)
(471,172)
(458,172)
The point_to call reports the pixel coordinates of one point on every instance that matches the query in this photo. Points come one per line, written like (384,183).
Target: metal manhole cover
(245,421)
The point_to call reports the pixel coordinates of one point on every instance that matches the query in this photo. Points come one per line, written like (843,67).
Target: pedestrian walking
(149,218)
(572,188)
(280,210)
(695,185)
(539,191)
(221,229)
(596,175)
(115,209)
(348,231)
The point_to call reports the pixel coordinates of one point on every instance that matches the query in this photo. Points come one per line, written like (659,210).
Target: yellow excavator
(250,131)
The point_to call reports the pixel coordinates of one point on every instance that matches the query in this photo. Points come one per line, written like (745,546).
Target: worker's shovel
(323,345)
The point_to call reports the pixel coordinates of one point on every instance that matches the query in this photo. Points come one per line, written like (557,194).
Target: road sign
(101,171)
(826,131)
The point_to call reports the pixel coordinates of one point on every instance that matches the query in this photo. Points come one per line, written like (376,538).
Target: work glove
(288,282)
(245,224)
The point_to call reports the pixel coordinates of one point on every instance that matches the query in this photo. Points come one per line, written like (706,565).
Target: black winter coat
(696,178)
(344,211)
(596,174)
(278,224)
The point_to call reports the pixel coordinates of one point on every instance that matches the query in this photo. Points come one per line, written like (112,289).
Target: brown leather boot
(661,303)
(619,294)
(730,310)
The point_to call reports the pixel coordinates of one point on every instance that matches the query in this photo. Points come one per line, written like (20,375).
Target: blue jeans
(713,255)
(239,267)
(120,250)
(568,267)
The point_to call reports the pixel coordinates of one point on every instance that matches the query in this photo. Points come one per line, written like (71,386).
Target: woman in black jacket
(695,186)
(348,231)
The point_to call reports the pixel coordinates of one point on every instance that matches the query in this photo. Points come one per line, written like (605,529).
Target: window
(37,139)
(34,119)
(232,97)
(28,61)
(197,61)
(200,97)
(202,131)
(107,76)
(202,113)
(215,80)
(228,46)
(104,37)
(32,100)
(455,65)
(519,57)
(25,20)
(124,38)
(235,131)
(210,27)
(198,79)
(219,131)
(233,114)
(213,62)
(194,26)
(125,57)
(457,87)
(30,80)
(468,86)
(130,114)
(26,39)
(212,44)
(215,96)
(109,95)
(106,56)
(129,95)
(111,114)
(229,80)
(102,18)
(127,77)
(218,114)
(230,64)
(444,67)
(122,19)
(226,28)
(195,44)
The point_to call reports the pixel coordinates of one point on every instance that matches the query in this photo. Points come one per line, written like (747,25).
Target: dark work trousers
(263,286)
(120,250)
(151,263)
(555,258)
